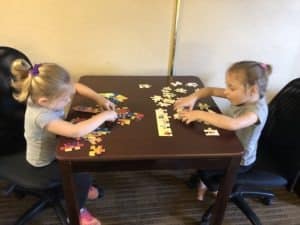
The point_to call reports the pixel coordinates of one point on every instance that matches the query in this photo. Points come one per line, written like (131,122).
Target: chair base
(44,201)
(39,206)
(238,198)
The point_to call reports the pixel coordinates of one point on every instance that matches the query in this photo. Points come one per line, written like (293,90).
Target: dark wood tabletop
(140,139)
(138,145)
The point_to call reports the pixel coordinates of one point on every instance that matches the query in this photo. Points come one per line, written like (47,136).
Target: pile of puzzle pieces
(94,140)
(113,97)
(169,93)
(125,116)
(168,98)
(73,144)
(204,107)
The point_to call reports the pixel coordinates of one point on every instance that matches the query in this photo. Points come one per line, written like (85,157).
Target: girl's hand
(85,91)
(187,102)
(190,116)
(110,115)
(106,104)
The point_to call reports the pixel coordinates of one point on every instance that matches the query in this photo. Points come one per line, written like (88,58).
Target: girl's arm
(91,94)
(209,91)
(67,129)
(219,120)
(190,100)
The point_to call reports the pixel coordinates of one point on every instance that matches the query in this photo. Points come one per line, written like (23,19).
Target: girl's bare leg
(201,191)
(215,193)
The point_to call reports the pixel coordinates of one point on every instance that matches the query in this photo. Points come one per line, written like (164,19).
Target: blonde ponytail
(21,81)
(43,80)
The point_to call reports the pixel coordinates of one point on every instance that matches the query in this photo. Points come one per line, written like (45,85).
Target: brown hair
(48,80)
(254,73)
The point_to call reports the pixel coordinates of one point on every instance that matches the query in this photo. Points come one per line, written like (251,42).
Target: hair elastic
(35,70)
(264,66)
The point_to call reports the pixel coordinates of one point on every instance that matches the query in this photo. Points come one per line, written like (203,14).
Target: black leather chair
(22,179)
(11,111)
(280,137)
(278,160)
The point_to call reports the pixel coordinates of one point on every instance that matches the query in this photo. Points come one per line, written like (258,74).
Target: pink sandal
(87,219)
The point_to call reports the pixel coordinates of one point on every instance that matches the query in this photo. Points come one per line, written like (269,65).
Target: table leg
(224,192)
(69,192)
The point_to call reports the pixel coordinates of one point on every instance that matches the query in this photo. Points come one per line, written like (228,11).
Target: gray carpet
(157,197)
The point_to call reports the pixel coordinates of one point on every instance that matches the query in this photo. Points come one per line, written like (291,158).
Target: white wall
(91,36)
(213,34)
(132,37)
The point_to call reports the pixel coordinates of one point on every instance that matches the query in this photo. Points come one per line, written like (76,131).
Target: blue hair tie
(35,70)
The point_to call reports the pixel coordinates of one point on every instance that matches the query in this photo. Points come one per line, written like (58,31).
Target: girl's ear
(43,101)
(254,89)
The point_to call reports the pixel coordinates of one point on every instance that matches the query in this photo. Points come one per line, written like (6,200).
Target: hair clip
(35,70)
(264,66)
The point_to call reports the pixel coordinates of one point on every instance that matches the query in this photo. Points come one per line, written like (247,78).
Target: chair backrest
(11,111)
(280,138)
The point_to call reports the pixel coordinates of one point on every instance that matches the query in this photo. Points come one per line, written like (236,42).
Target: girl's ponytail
(21,81)
(267,68)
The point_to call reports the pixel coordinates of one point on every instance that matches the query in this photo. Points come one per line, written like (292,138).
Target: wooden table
(138,146)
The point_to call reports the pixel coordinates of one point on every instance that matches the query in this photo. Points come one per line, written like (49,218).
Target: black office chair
(21,177)
(278,161)
(280,137)
(11,111)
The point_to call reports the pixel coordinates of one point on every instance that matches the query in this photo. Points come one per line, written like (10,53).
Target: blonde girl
(47,88)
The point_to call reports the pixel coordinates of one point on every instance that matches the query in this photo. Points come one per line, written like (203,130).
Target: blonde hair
(44,80)
(254,73)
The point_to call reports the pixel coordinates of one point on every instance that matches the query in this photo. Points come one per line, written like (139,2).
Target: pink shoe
(93,193)
(87,219)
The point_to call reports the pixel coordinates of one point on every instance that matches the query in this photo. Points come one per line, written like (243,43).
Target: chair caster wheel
(203,222)
(267,201)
